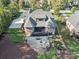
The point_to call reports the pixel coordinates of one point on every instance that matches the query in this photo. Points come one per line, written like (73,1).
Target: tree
(4,2)
(69,1)
(21,4)
(57,5)
(7,12)
(1,23)
(33,4)
(36,4)
(74,9)
(45,5)
(4,19)
(13,7)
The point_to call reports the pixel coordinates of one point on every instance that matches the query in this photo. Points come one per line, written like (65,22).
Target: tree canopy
(36,4)
(4,2)
(8,10)
(57,5)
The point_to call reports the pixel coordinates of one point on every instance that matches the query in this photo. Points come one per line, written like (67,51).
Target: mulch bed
(9,50)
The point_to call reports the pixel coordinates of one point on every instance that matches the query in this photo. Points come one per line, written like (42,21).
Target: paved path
(9,50)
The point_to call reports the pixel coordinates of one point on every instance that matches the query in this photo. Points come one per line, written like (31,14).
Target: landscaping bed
(72,44)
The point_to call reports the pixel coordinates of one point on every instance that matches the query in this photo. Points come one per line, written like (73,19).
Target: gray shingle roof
(30,23)
(39,13)
(17,23)
(74,20)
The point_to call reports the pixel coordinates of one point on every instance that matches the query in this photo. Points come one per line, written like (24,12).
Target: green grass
(14,31)
(48,55)
(16,38)
(16,35)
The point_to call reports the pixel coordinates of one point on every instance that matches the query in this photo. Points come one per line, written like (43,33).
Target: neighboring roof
(39,13)
(17,23)
(62,11)
(74,20)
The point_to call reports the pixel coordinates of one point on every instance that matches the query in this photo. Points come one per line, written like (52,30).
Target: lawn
(16,35)
(16,38)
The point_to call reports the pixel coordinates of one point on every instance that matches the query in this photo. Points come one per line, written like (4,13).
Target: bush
(7,14)
(5,21)
(73,9)
(48,55)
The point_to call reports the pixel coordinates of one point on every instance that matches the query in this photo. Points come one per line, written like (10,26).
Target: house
(17,23)
(73,24)
(15,29)
(38,26)
(40,23)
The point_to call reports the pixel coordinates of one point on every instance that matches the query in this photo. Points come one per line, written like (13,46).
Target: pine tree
(21,4)
(33,4)
(57,5)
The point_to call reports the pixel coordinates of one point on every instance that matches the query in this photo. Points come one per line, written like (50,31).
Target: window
(40,19)
(41,42)
(38,38)
(30,28)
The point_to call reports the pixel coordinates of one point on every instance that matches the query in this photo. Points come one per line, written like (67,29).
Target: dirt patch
(9,50)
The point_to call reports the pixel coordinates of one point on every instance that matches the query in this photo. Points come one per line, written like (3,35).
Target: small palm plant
(59,45)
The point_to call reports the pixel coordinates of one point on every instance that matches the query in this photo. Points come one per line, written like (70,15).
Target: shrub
(73,9)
